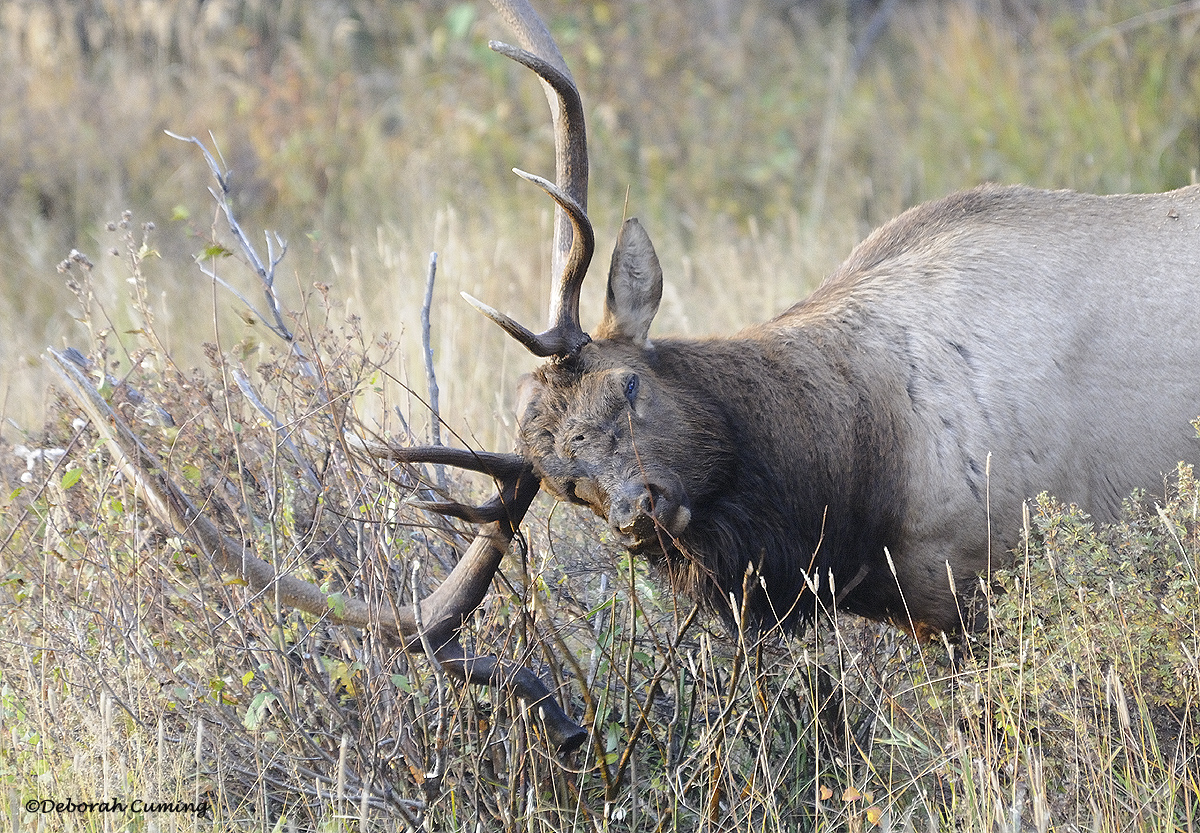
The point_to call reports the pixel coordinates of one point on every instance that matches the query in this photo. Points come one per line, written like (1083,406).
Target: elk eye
(631,388)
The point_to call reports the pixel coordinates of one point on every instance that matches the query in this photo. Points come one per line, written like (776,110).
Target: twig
(149,412)
(243,382)
(1135,22)
(435,417)
(433,777)
(265,272)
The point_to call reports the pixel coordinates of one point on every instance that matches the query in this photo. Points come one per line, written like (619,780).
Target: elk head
(592,422)
(590,419)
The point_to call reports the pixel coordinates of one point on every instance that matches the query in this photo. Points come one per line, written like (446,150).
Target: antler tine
(498,465)
(570,138)
(507,469)
(565,336)
(573,247)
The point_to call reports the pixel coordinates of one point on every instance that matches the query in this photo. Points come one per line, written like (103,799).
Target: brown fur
(1051,333)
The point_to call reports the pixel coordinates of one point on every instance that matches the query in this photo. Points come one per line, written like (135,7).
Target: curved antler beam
(441,613)
(574,241)
(564,733)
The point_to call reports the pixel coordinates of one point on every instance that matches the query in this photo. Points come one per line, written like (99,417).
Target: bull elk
(845,444)
(871,447)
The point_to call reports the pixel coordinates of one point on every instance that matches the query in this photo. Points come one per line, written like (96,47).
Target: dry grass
(372,135)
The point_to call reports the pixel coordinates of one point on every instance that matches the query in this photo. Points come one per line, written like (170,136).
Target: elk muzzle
(647,514)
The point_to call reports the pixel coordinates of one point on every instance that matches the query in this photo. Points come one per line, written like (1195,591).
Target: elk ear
(634,287)
(528,389)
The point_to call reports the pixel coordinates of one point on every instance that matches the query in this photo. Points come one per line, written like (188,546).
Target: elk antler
(574,242)
(504,468)
(565,336)
(436,619)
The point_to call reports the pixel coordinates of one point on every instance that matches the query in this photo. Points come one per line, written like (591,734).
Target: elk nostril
(645,503)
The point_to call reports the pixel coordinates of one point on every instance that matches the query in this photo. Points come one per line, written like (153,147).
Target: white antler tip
(479,305)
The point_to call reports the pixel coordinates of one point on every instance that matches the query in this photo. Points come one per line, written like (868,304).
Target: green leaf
(213,252)
(256,714)
(337,603)
(71,477)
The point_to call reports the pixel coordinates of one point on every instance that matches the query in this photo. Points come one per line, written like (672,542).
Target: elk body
(871,447)
(969,354)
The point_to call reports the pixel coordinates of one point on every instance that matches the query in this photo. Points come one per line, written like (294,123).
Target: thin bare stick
(439,676)
(265,271)
(1149,18)
(435,416)
(243,382)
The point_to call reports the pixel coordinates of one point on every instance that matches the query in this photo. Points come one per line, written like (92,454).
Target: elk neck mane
(814,413)
(805,484)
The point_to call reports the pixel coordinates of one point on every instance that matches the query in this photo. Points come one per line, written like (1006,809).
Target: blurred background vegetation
(757,139)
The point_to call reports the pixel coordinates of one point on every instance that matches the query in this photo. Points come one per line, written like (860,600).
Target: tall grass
(370,134)
(131,670)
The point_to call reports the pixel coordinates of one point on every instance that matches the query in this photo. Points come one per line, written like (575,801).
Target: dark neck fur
(808,482)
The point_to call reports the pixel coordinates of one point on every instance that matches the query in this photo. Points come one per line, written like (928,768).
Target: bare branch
(435,416)
(266,273)
(243,382)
